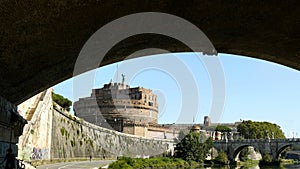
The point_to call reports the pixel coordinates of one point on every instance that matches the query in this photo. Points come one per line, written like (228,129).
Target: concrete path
(75,165)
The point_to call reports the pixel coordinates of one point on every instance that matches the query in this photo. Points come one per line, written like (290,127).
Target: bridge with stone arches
(273,147)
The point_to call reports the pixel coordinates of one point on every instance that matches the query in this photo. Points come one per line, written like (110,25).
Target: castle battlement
(117,105)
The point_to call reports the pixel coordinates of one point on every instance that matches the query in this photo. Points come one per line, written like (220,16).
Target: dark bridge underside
(40,40)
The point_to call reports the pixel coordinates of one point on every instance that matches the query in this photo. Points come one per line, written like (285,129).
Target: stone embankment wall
(35,142)
(72,137)
(54,133)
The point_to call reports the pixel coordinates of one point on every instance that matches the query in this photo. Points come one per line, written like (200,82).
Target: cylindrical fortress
(116,105)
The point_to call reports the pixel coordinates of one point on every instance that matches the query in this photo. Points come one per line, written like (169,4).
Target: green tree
(60,100)
(258,130)
(120,165)
(194,147)
(222,158)
(223,129)
(267,158)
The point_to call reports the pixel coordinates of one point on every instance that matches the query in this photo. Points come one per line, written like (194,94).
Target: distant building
(207,121)
(119,107)
(195,128)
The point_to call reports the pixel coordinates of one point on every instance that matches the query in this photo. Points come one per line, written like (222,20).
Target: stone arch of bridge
(238,150)
(46,54)
(281,149)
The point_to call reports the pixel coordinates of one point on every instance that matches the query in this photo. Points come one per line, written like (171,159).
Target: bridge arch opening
(245,152)
(282,150)
(237,151)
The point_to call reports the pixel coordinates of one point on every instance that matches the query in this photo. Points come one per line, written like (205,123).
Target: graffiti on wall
(39,153)
(28,153)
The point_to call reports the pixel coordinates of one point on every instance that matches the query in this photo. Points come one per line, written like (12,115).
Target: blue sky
(254,89)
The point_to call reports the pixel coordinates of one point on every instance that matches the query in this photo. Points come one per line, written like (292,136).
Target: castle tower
(120,107)
(207,121)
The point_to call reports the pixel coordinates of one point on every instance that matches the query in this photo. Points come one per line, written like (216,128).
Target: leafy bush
(223,129)
(267,158)
(222,158)
(163,162)
(120,164)
(258,130)
(193,147)
(60,100)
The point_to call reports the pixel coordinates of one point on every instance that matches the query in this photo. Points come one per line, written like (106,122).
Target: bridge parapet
(274,147)
(286,140)
(259,140)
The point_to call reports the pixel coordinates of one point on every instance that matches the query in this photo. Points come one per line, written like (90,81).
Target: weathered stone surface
(73,138)
(35,142)
(116,105)
(53,133)
(40,40)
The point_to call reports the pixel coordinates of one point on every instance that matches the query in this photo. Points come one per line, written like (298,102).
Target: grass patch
(287,161)
(161,162)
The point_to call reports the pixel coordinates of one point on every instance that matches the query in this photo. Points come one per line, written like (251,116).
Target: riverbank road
(77,165)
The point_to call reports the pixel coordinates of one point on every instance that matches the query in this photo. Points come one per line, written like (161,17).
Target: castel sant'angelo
(134,111)
(119,107)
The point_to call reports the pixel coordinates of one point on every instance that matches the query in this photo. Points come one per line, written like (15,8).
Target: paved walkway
(77,165)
